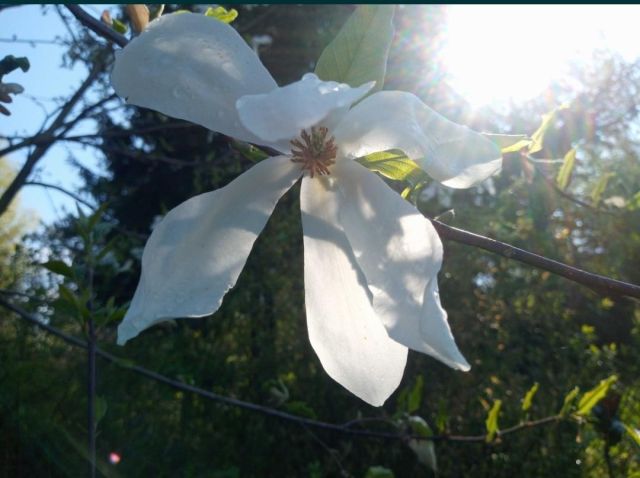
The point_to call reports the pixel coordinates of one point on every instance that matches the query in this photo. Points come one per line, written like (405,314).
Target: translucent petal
(348,337)
(191,67)
(400,254)
(451,153)
(297,106)
(196,253)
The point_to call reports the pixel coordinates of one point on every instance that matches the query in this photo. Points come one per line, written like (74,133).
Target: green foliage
(593,396)
(528,398)
(491,423)
(10,63)
(222,14)
(379,472)
(516,325)
(358,54)
(564,175)
(537,138)
(119,26)
(568,401)
(395,165)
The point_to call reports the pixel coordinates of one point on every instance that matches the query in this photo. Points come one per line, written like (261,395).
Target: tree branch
(601,284)
(48,138)
(234,402)
(97,26)
(62,190)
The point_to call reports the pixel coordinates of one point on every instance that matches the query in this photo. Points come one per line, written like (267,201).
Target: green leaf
(419,426)
(358,53)
(222,14)
(509,143)
(59,267)
(598,190)
(10,63)
(100,409)
(593,396)
(634,203)
(537,138)
(118,26)
(415,395)
(633,433)
(379,472)
(528,398)
(568,401)
(492,420)
(564,175)
(394,164)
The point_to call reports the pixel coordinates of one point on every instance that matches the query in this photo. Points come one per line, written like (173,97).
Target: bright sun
(497,53)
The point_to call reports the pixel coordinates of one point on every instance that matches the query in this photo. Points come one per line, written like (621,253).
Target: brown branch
(97,26)
(229,401)
(601,284)
(48,138)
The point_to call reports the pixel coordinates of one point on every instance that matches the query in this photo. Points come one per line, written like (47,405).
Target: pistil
(314,151)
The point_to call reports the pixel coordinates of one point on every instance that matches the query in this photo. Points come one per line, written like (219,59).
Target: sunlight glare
(502,53)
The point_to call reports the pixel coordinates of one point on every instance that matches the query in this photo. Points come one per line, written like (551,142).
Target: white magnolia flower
(370,258)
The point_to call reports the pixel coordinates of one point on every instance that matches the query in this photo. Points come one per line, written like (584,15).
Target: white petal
(284,112)
(451,153)
(192,67)
(400,254)
(196,253)
(350,340)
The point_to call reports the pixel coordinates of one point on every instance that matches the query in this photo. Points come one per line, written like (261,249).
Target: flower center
(314,151)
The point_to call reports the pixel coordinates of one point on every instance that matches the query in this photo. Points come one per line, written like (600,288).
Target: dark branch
(49,135)
(234,402)
(601,284)
(62,190)
(96,26)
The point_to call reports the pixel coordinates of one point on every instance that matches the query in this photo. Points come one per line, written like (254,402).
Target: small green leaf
(10,63)
(379,472)
(222,14)
(633,433)
(394,164)
(537,138)
(358,53)
(59,267)
(509,143)
(100,409)
(568,401)
(424,449)
(599,188)
(634,203)
(118,26)
(492,420)
(528,398)
(593,396)
(419,426)
(415,395)
(564,175)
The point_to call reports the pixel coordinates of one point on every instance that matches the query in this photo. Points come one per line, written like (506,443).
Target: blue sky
(47,79)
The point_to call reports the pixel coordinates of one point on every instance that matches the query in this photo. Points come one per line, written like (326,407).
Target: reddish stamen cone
(315,152)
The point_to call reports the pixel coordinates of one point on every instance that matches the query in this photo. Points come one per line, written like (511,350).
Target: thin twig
(62,190)
(40,150)
(268,411)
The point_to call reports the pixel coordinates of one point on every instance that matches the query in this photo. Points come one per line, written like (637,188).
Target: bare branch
(96,26)
(48,138)
(62,190)
(601,284)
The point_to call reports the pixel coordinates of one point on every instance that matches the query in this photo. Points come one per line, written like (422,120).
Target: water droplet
(309,76)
